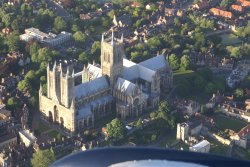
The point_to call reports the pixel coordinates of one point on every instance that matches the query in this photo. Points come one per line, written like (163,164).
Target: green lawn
(223,122)
(169,140)
(229,39)
(180,75)
(218,148)
(53,133)
(42,127)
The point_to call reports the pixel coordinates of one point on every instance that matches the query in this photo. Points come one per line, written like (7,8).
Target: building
(203,147)
(7,138)
(188,129)
(244,3)
(201,5)
(242,137)
(182,131)
(116,85)
(51,40)
(27,137)
(237,8)
(221,13)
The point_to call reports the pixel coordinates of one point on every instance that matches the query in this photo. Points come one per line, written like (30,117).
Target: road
(58,10)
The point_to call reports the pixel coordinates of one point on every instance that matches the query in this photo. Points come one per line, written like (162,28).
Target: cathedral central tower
(112,53)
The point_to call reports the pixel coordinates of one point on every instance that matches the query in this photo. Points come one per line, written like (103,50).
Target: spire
(72,104)
(122,38)
(54,67)
(48,67)
(73,72)
(112,38)
(102,37)
(40,89)
(67,73)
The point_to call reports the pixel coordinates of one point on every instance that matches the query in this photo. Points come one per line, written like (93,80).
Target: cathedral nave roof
(91,87)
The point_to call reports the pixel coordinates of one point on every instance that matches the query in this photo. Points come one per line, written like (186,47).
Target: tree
(12,103)
(59,24)
(185,62)
(33,48)
(174,62)
(7,19)
(83,57)
(239,93)
(210,88)
(154,43)
(115,129)
(164,107)
(13,42)
(43,158)
(96,49)
(79,38)
(24,85)
(234,51)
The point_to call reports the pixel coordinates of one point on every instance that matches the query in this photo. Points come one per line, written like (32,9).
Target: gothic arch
(56,114)
(50,116)
(61,122)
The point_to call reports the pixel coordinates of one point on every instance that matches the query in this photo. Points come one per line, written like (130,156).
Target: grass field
(53,133)
(180,75)
(42,127)
(224,122)
(218,148)
(230,39)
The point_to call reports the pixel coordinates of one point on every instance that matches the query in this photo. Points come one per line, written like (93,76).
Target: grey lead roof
(155,63)
(91,87)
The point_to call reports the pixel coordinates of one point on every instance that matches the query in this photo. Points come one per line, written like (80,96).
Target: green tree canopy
(174,62)
(59,24)
(116,129)
(185,62)
(43,158)
(79,37)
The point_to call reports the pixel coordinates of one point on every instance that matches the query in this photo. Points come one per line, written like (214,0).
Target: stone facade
(116,85)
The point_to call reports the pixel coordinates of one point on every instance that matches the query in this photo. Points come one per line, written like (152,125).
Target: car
(129,127)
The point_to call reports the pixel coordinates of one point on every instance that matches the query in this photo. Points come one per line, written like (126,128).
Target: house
(135,4)
(85,17)
(189,107)
(169,12)
(203,147)
(242,137)
(6,31)
(244,3)
(201,5)
(221,13)
(123,21)
(237,8)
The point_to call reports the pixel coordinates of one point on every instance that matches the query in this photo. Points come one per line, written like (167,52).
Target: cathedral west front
(117,85)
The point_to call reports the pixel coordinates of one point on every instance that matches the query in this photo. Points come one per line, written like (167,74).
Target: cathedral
(117,85)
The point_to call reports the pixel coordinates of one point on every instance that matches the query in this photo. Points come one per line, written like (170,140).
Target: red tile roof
(244,3)
(218,12)
(237,8)
(244,131)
